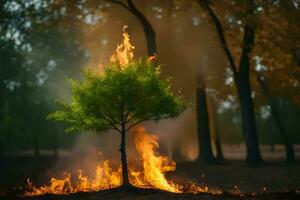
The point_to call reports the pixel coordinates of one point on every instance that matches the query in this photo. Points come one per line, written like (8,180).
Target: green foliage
(120,98)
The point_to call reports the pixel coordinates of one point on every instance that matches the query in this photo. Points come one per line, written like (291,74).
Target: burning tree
(127,93)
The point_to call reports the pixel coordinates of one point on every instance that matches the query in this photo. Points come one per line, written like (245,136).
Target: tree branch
(126,117)
(221,35)
(148,29)
(145,119)
(136,123)
(120,3)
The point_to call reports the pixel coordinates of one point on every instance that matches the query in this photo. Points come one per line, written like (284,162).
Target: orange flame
(155,166)
(124,51)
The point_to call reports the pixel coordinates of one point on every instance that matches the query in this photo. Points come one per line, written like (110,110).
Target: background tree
(262,60)
(36,49)
(203,125)
(241,75)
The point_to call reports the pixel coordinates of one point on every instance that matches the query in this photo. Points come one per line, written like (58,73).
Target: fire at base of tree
(155,166)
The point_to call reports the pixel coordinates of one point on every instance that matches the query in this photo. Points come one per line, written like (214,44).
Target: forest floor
(153,194)
(274,179)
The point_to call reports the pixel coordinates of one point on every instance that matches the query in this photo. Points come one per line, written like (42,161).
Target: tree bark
(125,181)
(214,131)
(220,157)
(241,79)
(289,148)
(290,153)
(249,125)
(148,29)
(244,92)
(205,149)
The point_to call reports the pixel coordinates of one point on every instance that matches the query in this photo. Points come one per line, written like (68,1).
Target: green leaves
(120,97)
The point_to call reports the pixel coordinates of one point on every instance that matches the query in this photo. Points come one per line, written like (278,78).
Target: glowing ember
(152,176)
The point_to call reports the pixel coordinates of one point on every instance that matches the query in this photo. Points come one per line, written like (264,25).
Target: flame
(152,58)
(57,186)
(124,51)
(105,178)
(155,166)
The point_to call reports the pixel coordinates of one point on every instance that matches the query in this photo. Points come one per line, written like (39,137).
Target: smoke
(184,42)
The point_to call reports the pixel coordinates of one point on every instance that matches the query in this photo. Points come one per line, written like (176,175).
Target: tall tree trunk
(289,148)
(290,153)
(220,157)
(123,158)
(244,92)
(214,130)
(241,79)
(148,29)
(205,148)
(249,124)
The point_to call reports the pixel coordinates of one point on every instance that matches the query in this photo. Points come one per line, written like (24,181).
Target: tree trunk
(214,130)
(123,158)
(244,92)
(219,156)
(249,125)
(246,101)
(241,79)
(205,149)
(148,29)
(290,153)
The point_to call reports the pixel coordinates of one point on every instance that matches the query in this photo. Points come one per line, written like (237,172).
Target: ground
(145,194)
(274,179)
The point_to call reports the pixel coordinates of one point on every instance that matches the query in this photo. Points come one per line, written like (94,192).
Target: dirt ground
(146,194)
(274,179)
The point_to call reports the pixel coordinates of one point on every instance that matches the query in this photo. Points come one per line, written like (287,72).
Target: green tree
(120,98)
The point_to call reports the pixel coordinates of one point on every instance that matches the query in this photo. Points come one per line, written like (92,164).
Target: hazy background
(41,55)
